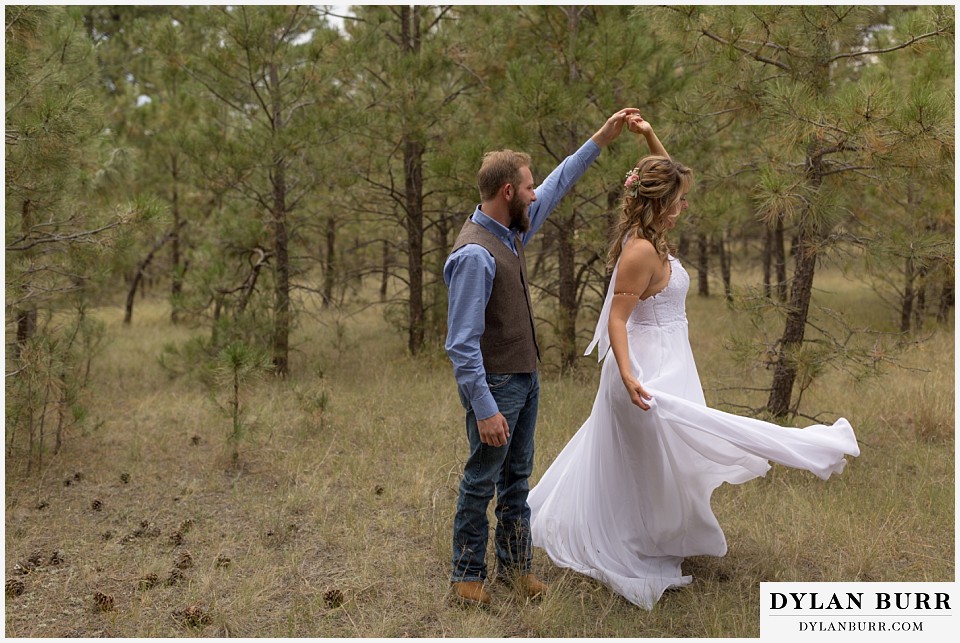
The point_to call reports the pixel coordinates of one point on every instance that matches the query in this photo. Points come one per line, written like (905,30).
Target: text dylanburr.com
(864,611)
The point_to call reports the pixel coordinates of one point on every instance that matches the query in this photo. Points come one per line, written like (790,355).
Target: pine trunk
(785,373)
(947,299)
(281,312)
(724,258)
(920,307)
(906,302)
(26,313)
(567,291)
(703,265)
(329,260)
(385,272)
(805,248)
(176,280)
(767,261)
(413,194)
(780,259)
(413,170)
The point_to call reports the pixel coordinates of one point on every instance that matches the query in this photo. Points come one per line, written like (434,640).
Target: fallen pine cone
(193,615)
(56,558)
(14,587)
(176,538)
(333,598)
(97,505)
(124,478)
(104,602)
(184,561)
(222,561)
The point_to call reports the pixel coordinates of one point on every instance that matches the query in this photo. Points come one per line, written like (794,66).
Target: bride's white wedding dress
(629,496)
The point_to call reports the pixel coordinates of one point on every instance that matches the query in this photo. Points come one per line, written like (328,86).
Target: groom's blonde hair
(498,168)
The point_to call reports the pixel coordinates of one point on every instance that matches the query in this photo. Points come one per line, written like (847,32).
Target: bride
(629,496)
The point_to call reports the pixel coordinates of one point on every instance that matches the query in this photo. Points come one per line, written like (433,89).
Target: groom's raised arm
(565,175)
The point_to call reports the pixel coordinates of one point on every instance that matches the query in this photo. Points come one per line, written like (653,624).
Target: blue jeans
(504,470)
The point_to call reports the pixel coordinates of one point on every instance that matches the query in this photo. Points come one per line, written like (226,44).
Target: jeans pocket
(498,380)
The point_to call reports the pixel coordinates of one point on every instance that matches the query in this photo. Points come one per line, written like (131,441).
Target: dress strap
(601,337)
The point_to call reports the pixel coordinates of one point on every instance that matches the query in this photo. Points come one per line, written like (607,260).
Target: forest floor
(335,520)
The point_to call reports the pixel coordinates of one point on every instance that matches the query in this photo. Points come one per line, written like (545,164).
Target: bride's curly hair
(651,188)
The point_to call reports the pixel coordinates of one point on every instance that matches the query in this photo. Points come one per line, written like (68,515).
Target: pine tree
(819,125)
(62,227)
(268,70)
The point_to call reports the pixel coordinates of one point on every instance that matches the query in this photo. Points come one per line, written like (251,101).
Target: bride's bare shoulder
(639,251)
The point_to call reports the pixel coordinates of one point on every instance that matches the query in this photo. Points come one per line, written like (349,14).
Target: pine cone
(56,558)
(35,559)
(333,598)
(222,561)
(97,505)
(184,561)
(176,538)
(124,478)
(104,602)
(14,587)
(194,615)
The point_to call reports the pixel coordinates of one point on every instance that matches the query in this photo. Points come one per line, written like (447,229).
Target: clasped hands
(629,116)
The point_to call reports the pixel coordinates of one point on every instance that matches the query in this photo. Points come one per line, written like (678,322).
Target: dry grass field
(335,521)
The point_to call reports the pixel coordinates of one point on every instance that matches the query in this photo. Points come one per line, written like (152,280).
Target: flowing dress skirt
(629,496)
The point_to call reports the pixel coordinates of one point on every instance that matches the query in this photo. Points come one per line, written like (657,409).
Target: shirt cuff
(485,406)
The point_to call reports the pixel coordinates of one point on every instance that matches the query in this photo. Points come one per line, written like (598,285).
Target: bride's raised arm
(637,125)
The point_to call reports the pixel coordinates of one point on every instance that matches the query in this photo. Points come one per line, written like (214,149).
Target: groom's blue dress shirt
(469,274)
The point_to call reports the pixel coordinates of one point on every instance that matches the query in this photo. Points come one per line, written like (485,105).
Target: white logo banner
(858,611)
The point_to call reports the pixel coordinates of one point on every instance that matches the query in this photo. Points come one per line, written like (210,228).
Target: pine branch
(877,52)
(85,236)
(755,55)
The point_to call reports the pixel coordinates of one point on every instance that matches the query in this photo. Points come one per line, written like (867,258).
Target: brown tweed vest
(509,340)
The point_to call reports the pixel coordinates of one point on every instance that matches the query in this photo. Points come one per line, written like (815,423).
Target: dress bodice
(669,305)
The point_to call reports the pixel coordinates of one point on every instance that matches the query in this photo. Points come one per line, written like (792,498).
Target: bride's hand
(637,125)
(637,393)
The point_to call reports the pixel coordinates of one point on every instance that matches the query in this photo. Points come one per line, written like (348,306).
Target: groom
(491,340)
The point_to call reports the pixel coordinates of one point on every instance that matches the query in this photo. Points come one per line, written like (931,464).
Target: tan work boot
(471,592)
(528,586)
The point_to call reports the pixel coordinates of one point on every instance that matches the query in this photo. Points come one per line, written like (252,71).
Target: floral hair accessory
(632,183)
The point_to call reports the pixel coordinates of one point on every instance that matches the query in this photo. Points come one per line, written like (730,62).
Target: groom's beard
(518,214)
